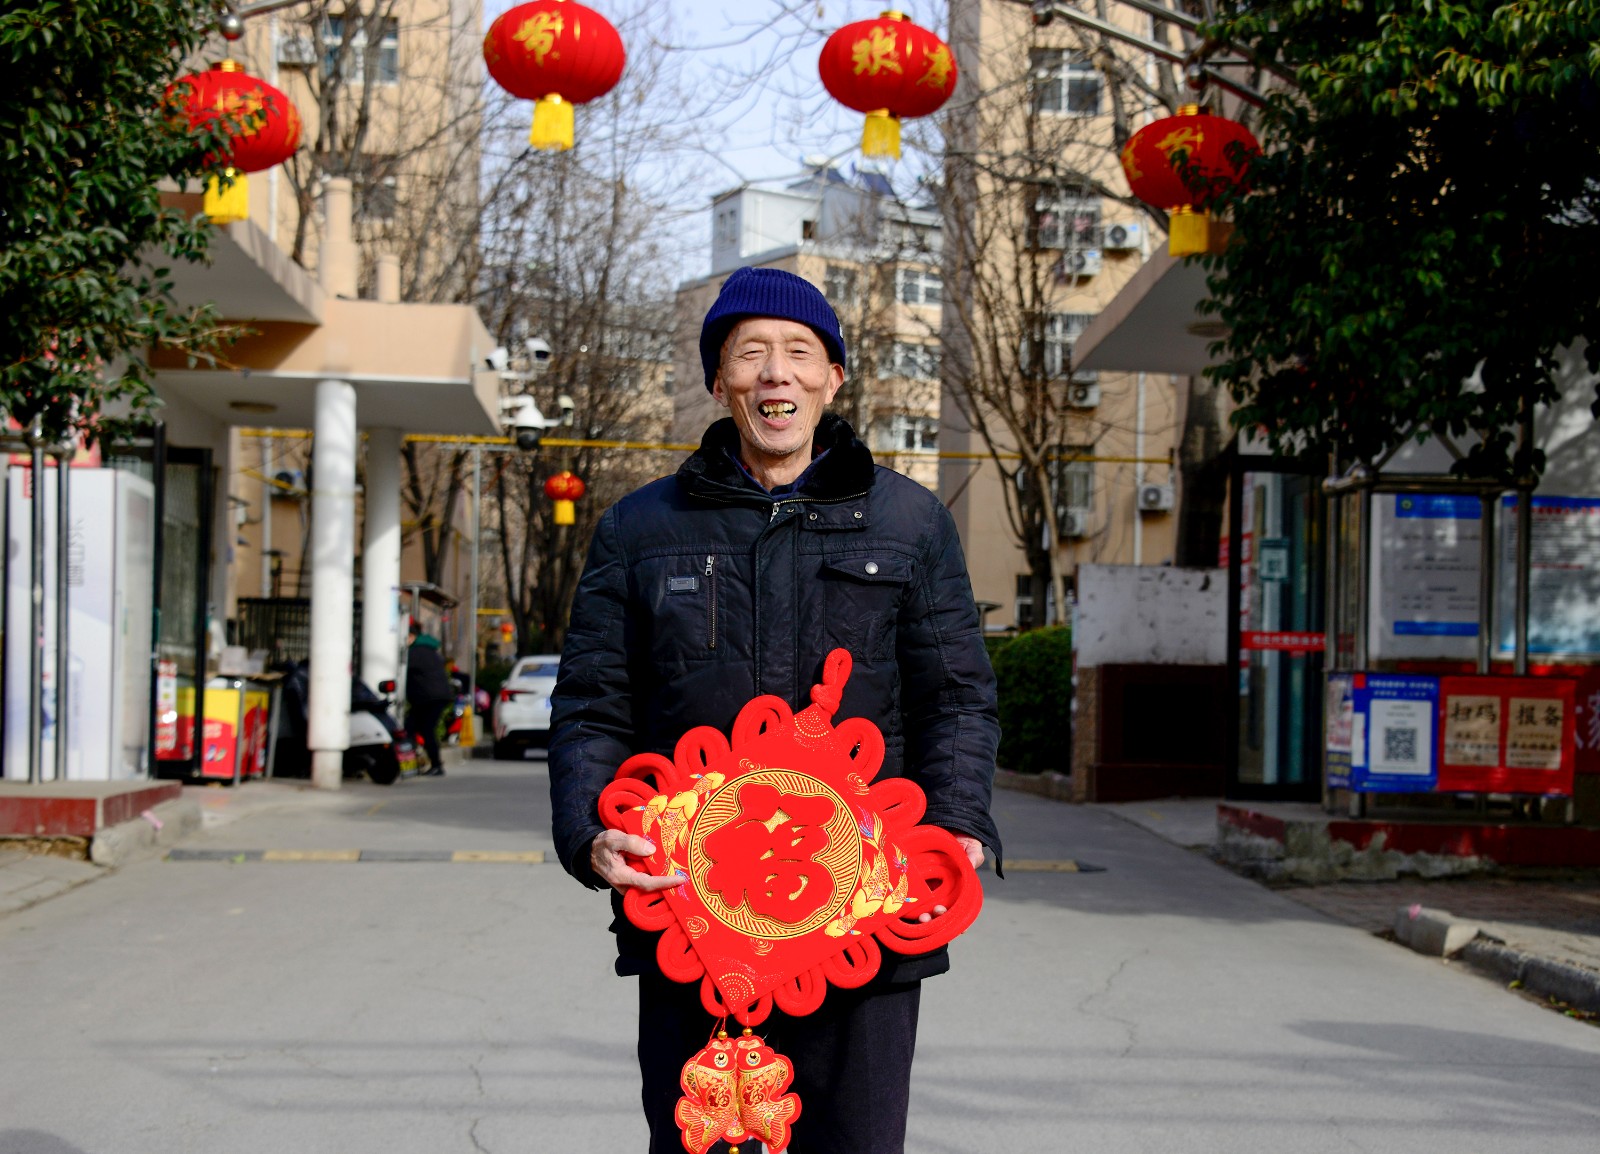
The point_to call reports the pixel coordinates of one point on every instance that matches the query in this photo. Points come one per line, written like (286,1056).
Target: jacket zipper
(711,592)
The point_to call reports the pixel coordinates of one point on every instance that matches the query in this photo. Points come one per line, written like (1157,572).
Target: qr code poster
(1394,747)
(1506,734)
(1402,738)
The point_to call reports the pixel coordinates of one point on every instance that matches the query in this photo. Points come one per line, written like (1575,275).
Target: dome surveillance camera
(538,349)
(229,24)
(528,439)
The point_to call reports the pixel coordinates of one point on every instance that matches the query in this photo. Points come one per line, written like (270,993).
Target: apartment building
(876,257)
(1047,467)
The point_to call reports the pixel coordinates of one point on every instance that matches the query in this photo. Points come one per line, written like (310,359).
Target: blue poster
(1394,724)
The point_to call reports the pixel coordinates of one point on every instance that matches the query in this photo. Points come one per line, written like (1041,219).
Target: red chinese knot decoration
(890,69)
(796,872)
(558,53)
(564,488)
(1215,148)
(263,130)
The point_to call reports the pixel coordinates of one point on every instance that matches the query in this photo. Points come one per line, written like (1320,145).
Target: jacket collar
(846,471)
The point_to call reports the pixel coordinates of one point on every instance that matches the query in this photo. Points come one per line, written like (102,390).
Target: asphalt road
(352,1006)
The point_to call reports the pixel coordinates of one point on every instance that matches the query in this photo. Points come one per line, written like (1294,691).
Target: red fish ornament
(733,1090)
(795,870)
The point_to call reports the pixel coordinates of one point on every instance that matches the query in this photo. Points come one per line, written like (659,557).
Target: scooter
(378,746)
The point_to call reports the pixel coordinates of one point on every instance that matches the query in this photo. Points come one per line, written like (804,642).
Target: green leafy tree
(1420,236)
(86,136)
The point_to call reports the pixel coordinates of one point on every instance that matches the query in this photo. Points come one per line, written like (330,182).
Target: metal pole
(1524,543)
(36,609)
(472,614)
(63,553)
(1364,578)
(1486,504)
(1524,564)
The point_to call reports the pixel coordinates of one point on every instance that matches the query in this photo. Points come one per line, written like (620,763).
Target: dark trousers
(423,721)
(852,1064)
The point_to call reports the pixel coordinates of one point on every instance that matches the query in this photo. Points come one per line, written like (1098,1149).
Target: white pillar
(380,559)
(333,535)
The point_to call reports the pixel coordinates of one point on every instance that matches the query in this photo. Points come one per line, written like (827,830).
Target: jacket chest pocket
(862,597)
(685,600)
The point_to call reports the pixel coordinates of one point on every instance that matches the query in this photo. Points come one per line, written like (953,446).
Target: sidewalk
(1541,932)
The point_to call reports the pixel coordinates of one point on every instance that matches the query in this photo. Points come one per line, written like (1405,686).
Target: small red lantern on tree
(564,488)
(1214,149)
(888,68)
(556,52)
(263,128)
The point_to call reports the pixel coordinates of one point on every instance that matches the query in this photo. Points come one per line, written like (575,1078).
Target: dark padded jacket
(702,591)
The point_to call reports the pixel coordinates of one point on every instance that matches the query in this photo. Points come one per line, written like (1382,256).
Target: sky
(749,72)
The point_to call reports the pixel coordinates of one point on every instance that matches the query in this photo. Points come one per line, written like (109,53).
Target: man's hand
(974,850)
(605,855)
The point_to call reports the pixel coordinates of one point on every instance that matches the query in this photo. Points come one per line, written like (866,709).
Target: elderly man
(778,541)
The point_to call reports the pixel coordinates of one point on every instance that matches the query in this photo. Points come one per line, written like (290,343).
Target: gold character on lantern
(876,54)
(538,35)
(1130,162)
(938,73)
(1187,139)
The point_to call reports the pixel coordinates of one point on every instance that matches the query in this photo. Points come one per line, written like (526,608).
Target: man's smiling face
(775,379)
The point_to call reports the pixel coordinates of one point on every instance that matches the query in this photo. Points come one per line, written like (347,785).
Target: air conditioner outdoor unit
(1084,262)
(1072,522)
(1083,396)
(296,51)
(1122,236)
(1155,498)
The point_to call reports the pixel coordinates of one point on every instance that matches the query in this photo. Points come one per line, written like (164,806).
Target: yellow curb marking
(311,855)
(531,857)
(1024,865)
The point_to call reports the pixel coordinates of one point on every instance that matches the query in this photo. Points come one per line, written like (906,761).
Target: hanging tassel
(224,206)
(566,513)
(881,134)
(552,124)
(1188,232)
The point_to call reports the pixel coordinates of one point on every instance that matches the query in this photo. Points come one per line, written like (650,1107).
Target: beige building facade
(1040,235)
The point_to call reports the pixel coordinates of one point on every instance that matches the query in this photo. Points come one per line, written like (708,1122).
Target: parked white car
(522,707)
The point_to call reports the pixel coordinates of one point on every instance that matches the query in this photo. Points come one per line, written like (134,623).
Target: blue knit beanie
(767,292)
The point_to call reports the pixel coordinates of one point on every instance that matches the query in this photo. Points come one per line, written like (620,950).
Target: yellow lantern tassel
(566,513)
(552,124)
(881,134)
(1188,232)
(224,206)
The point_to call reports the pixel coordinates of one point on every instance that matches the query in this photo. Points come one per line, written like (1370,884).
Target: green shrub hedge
(1034,672)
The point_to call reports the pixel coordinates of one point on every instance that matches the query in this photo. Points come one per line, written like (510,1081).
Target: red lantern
(564,488)
(888,68)
(265,132)
(1153,157)
(558,53)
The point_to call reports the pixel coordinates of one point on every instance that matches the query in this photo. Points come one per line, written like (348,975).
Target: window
(808,230)
(669,379)
(1064,82)
(1069,220)
(350,62)
(727,227)
(1072,481)
(914,362)
(839,286)
(918,286)
(908,434)
(1059,332)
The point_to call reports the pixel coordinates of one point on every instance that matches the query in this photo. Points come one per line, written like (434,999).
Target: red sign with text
(1507,735)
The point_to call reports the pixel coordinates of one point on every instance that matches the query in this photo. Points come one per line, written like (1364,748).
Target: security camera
(499,359)
(524,423)
(567,407)
(230,25)
(538,350)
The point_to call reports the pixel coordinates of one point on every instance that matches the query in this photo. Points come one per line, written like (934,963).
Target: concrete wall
(1138,615)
